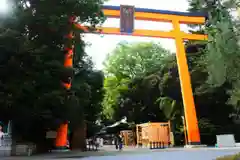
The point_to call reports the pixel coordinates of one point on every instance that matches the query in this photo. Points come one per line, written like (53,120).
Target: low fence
(21,149)
(92,144)
(5,145)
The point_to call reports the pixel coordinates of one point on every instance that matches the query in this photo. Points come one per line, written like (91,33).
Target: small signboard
(226,140)
(51,134)
(127,16)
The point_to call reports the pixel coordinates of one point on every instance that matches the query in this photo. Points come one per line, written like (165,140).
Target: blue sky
(101,45)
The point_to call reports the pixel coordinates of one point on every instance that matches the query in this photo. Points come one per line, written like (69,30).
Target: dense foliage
(32,39)
(125,69)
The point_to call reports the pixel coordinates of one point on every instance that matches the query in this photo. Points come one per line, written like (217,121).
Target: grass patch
(232,157)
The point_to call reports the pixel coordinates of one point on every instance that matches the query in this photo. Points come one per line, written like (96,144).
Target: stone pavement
(109,153)
(103,151)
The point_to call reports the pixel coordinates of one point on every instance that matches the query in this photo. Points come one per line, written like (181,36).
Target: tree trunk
(78,141)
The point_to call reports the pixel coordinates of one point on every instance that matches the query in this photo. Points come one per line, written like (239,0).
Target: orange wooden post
(61,139)
(187,95)
(62,132)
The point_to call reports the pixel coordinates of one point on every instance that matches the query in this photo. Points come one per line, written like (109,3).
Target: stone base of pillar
(195,146)
(61,149)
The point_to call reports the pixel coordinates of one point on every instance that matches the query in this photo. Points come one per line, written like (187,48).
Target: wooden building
(148,133)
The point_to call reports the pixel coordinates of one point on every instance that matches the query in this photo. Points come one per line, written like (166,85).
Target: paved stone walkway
(130,153)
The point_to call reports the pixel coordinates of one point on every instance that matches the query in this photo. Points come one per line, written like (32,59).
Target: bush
(233,157)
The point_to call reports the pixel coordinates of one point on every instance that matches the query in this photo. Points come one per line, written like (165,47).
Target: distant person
(116,141)
(120,141)
(1,135)
(101,142)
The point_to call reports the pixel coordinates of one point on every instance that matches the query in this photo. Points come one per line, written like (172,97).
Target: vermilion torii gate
(127,15)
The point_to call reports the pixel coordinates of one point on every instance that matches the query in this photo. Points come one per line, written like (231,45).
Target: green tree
(220,57)
(222,52)
(124,69)
(222,49)
(32,54)
(133,60)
